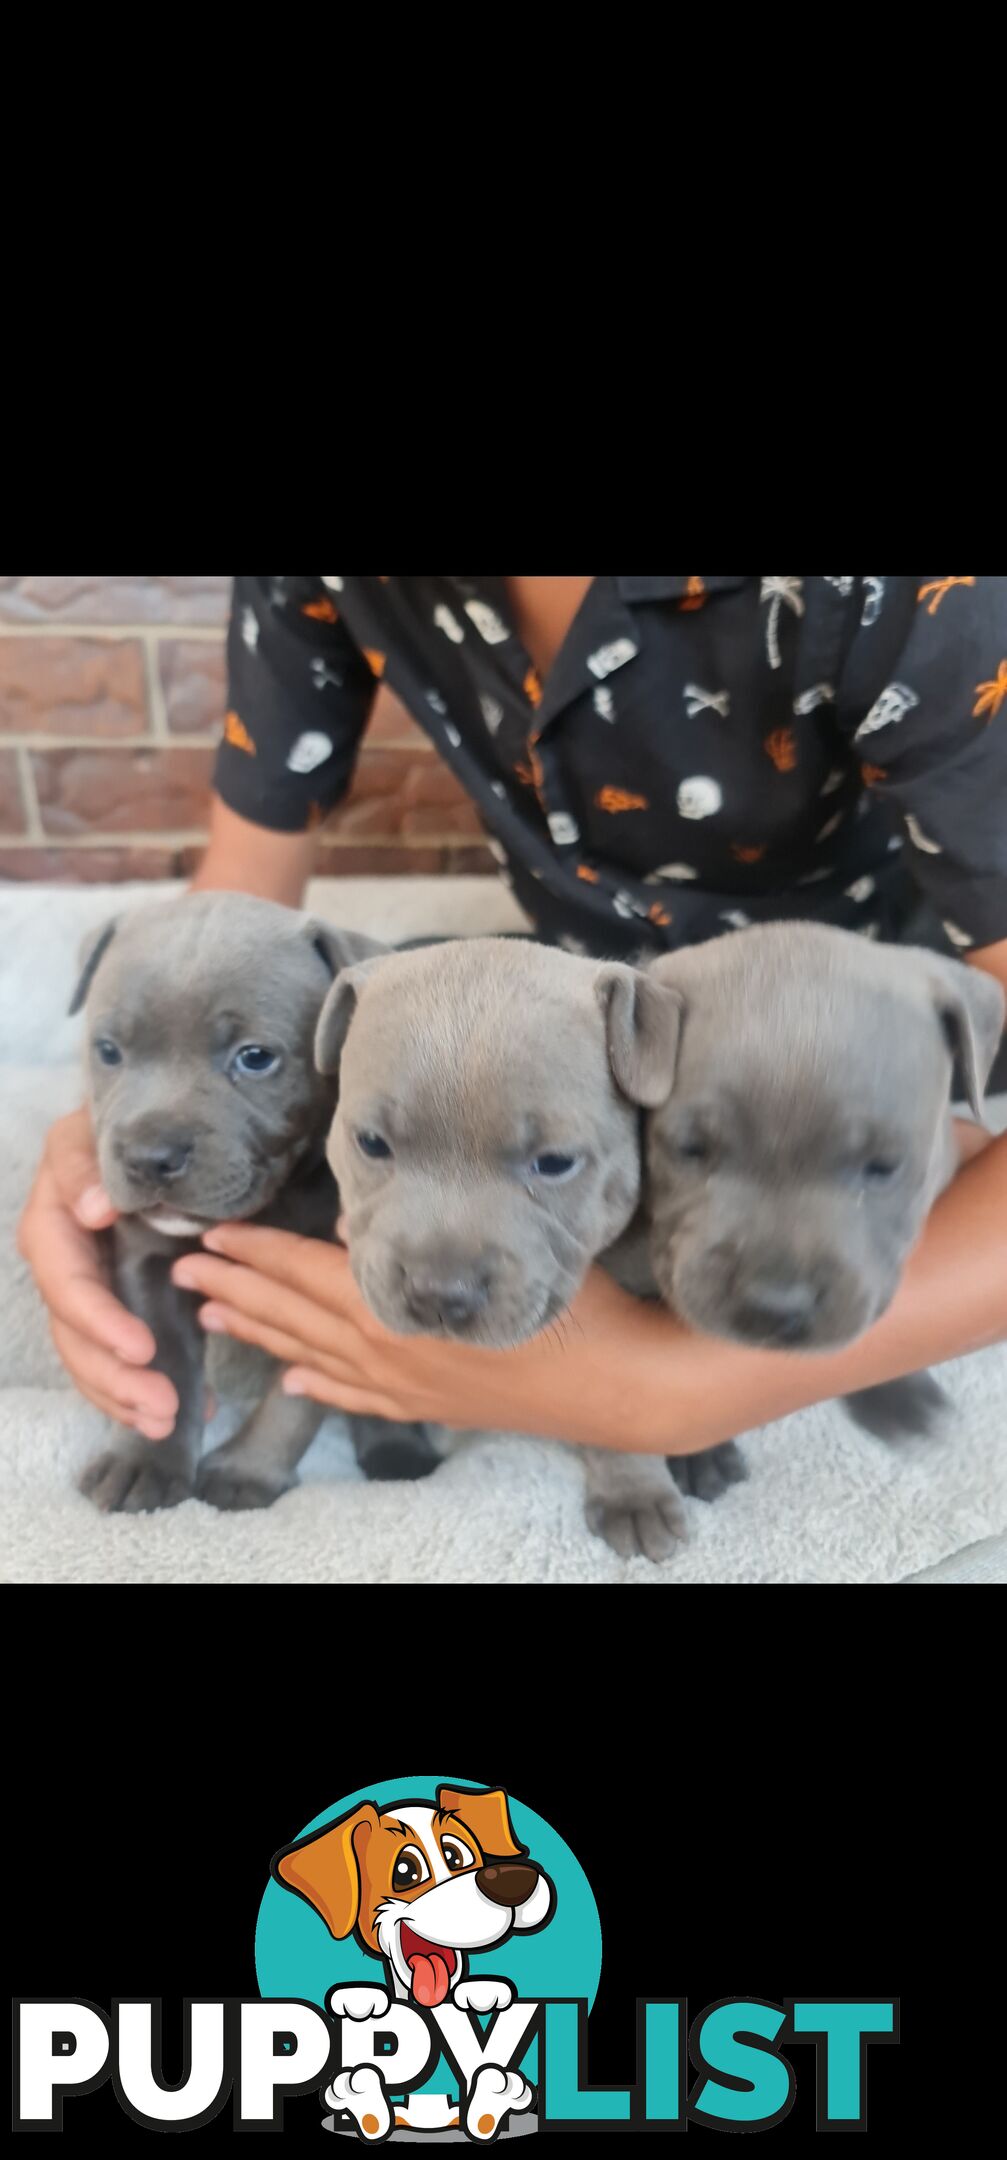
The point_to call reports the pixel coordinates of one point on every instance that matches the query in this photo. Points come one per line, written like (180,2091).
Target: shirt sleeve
(923,696)
(299,695)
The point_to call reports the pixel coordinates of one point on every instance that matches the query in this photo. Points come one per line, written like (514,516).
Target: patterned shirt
(704,752)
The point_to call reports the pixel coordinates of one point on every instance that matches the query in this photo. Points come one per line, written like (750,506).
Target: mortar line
(153,837)
(202,632)
(156,706)
(29,798)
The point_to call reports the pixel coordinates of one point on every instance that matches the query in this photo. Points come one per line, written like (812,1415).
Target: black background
(770,1796)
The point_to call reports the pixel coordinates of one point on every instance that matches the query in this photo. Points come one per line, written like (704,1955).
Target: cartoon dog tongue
(431,1975)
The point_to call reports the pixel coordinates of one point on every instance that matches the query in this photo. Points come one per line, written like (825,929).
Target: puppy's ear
(486,1815)
(643,1022)
(92,947)
(340,948)
(971,1005)
(325,1868)
(338,1010)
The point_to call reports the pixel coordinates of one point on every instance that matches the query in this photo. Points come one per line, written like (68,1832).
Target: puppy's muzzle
(157,1160)
(776,1308)
(507,1882)
(448,1295)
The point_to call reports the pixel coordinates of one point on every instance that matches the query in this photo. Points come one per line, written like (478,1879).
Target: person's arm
(241,857)
(299,695)
(615,1372)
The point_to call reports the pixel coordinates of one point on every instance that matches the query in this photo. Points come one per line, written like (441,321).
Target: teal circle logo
(297,1956)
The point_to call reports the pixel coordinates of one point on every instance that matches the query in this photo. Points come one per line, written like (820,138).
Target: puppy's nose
(507,1882)
(161,1161)
(446,1300)
(778,1308)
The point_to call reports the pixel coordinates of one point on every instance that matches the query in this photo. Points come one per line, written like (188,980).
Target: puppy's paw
(357,2002)
(483,1995)
(708,1473)
(386,1451)
(494,2094)
(125,1482)
(900,1409)
(227,1484)
(360,2092)
(633,1504)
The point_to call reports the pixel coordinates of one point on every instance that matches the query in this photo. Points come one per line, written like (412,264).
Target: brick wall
(111,701)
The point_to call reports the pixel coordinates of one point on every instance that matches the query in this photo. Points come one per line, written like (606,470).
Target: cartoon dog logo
(421,1887)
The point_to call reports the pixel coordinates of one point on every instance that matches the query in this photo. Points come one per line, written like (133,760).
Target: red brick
(378,861)
(12,817)
(333,860)
(72,686)
(458,821)
(194,682)
(115,599)
(432,782)
(379,772)
(470,862)
(87,866)
(396,793)
(391,724)
(88,791)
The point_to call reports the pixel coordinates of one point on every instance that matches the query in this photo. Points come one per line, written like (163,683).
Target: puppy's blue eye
(254,1060)
(108,1052)
(880,1170)
(372,1144)
(555,1166)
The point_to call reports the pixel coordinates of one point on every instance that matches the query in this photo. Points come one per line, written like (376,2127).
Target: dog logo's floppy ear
(486,1815)
(93,946)
(971,1006)
(324,1868)
(337,1012)
(643,1021)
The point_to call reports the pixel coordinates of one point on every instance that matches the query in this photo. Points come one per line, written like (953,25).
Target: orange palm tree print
(937,589)
(747,854)
(617,798)
(695,593)
(237,733)
(320,610)
(990,695)
(871,774)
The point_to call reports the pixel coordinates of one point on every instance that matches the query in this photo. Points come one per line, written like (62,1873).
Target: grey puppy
(487,1149)
(207,1105)
(808,1132)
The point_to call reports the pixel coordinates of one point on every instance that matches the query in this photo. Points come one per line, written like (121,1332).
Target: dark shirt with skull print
(704,753)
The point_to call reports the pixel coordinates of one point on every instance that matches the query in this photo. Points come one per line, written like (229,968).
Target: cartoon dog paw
(483,1995)
(357,2002)
(495,2094)
(361,2093)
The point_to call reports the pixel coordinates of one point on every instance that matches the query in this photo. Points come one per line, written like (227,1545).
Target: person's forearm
(241,857)
(952,1299)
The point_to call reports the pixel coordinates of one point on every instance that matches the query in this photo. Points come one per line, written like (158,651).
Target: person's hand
(103,1347)
(296,1298)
